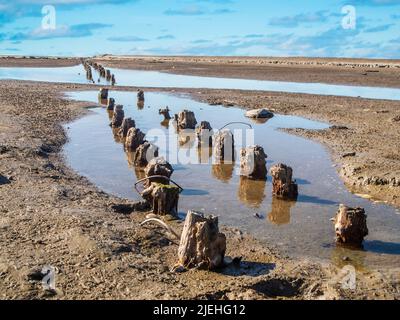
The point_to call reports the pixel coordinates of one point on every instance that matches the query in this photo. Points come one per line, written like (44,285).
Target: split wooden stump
(201,245)
(186,120)
(253,163)
(134,138)
(163,198)
(118,116)
(282,184)
(350,226)
(224,146)
(144,154)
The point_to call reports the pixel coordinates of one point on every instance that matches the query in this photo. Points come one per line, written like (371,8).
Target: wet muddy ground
(49,215)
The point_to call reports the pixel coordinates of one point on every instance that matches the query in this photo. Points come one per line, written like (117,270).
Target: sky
(327,28)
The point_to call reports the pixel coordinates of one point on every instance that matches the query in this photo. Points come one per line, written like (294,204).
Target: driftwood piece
(163,198)
(224,146)
(144,154)
(204,134)
(282,184)
(201,244)
(110,104)
(253,163)
(350,226)
(127,123)
(186,120)
(118,116)
(158,167)
(134,138)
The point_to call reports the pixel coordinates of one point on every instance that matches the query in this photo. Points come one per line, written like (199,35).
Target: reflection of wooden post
(163,197)
(118,116)
(201,245)
(145,153)
(127,123)
(282,184)
(280,211)
(224,146)
(134,139)
(251,192)
(186,120)
(350,226)
(252,163)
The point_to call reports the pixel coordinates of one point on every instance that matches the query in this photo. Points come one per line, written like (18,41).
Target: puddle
(125,77)
(300,228)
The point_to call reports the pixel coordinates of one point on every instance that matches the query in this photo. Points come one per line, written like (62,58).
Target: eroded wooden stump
(163,198)
(186,120)
(144,154)
(140,96)
(350,226)
(118,116)
(165,113)
(134,138)
(158,167)
(282,184)
(201,244)
(224,146)
(127,123)
(253,163)
(204,134)
(110,104)
(103,94)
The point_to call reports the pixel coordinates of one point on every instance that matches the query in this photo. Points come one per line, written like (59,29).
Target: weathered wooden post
(110,104)
(144,154)
(163,198)
(165,113)
(103,94)
(108,75)
(350,226)
(134,138)
(253,163)
(201,245)
(140,95)
(127,123)
(204,134)
(282,184)
(186,120)
(113,80)
(158,167)
(224,146)
(118,116)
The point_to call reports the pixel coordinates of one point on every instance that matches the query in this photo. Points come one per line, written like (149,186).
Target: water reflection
(165,123)
(280,212)
(342,256)
(140,105)
(251,192)
(187,139)
(223,171)
(204,154)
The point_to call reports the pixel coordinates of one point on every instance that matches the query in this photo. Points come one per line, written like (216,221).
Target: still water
(300,228)
(137,78)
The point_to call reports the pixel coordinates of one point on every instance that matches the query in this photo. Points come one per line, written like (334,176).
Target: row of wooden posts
(103,72)
(201,243)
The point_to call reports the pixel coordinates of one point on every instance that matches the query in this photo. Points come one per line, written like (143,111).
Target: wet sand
(51,216)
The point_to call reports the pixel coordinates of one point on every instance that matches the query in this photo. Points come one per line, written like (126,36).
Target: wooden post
(127,123)
(186,120)
(110,104)
(163,198)
(204,134)
(158,167)
(282,184)
(253,163)
(134,139)
(201,244)
(140,96)
(165,113)
(118,116)
(350,226)
(144,154)
(103,94)
(224,146)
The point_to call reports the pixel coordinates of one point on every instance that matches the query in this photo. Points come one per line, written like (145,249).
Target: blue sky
(201,27)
